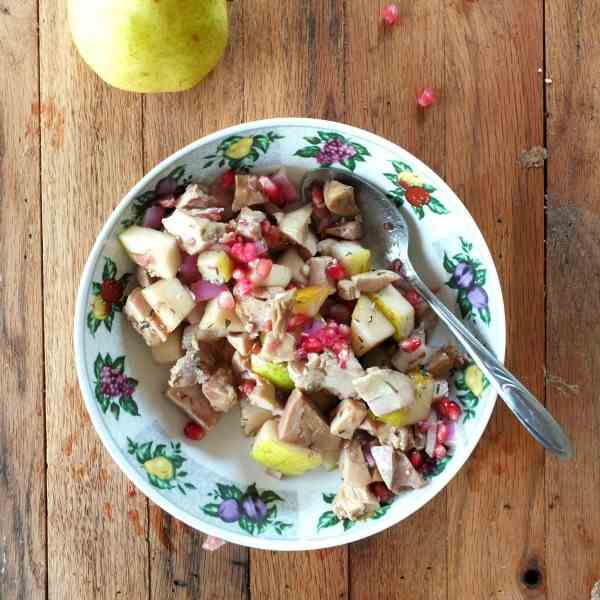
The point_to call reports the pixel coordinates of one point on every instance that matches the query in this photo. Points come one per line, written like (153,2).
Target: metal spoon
(389,245)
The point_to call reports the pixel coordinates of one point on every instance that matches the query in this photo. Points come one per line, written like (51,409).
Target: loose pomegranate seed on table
(193,431)
(426,97)
(390,15)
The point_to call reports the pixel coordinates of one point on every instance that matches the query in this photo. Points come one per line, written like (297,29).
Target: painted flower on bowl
(162,464)
(240,153)
(107,297)
(328,148)
(113,388)
(410,187)
(468,277)
(470,384)
(253,511)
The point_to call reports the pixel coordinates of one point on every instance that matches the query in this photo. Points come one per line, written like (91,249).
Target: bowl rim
(136,477)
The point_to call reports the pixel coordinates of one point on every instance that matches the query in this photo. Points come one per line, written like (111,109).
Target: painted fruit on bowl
(210,481)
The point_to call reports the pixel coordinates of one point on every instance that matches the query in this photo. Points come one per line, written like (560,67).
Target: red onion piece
(431,439)
(204,290)
(153,217)
(189,269)
(313,326)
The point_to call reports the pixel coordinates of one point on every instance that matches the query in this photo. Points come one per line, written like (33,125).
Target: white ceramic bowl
(191,480)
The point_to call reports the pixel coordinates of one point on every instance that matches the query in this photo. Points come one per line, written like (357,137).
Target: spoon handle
(532,415)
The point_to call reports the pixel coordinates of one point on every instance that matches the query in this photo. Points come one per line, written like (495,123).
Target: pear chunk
(369,326)
(170,300)
(154,250)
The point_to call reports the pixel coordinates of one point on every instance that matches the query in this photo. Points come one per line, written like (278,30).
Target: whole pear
(150,45)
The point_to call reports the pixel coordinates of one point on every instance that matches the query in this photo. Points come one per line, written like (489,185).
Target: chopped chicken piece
(143,277)
(442,362)
(302,423)
(400,438)
(339,199)
(317,274)
(407,361)
(294,225)
(396,469)
(253,313)
(247,192)
(263,395)
(385,390)
(219,390)
(194,234)
(278,350)
(212,543)
(350,230)
(191,400)
(349,415)
(143,319)
(192,368)
(253,417)
(280,309)
(241,342)
(374,281)
(249,222)
(295,263)
(322,371)
(347,290)
(353,466)
(195,196)
(354,503)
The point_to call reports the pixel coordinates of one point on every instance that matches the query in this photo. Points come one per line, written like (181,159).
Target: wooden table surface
(512,74)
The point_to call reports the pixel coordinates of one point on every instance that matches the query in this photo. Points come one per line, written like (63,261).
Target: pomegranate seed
(238,274)
(441,407)
(111,290)
(426,98)
(228,179)
(440,451)
(442,433)
(454,411)
(243,287)
(412,297)
(263,267)
(416,459)
(226,301)
(193,431)
(296,321)
(336,271)
(390,15)
(270,189)
(380,490)
(247,386)
(312,345)
(411,344)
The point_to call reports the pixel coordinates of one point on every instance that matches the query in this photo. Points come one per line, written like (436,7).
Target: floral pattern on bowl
(192,481)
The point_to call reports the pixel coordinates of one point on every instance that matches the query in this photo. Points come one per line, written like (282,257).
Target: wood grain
(573,294)
(294,66)
(22,460)
(179,566)
(384,70)
(91,154)
(493,95)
